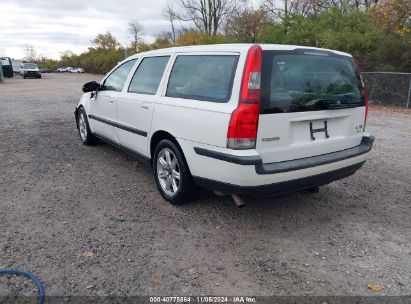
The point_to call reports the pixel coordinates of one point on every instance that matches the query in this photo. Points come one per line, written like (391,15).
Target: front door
(103,106)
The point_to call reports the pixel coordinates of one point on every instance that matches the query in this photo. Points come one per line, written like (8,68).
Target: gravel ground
(90,221)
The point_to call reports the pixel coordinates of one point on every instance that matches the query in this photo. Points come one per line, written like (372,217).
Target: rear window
(203,77)
(296,81)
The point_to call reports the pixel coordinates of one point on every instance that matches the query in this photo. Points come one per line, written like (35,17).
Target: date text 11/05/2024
(203,299)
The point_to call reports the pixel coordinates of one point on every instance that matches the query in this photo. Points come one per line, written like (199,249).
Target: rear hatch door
(312,104)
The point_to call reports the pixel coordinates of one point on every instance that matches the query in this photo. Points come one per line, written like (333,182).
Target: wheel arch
(80,106)
(159,136)
(83,103)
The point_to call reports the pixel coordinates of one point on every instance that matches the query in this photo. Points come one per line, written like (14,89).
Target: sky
(55,26)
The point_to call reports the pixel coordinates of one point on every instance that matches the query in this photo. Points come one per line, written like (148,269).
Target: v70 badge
(320,130)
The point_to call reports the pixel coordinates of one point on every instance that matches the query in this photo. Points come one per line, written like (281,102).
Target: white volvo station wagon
(261,120)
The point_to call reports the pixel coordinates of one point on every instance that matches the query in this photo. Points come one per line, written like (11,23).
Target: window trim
(134,71)
(201,98)
(115,69)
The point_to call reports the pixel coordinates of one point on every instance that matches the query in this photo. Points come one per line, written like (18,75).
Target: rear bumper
(314,161)
(247,174)
(281,188)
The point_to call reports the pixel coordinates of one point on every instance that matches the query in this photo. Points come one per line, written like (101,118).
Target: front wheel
(171,173)
(84,131)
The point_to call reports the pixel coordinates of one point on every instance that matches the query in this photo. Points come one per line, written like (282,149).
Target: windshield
(30,66)
(306,80)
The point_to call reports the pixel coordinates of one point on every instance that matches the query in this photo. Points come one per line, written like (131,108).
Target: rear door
(312,103)
(136,105)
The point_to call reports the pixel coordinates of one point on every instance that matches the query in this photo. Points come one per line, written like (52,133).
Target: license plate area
(315,130)
(323,129)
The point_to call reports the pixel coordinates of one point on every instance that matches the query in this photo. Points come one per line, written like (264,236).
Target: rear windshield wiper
(319,104)
(328,104)
(336,106)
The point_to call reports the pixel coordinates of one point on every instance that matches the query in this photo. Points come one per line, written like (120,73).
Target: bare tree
(344,4)
(29,52)
(135,29)
(246,25)
(172,17)
(207,16)
(281,9)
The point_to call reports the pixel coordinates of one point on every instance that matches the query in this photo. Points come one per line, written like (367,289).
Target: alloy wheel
(168,172)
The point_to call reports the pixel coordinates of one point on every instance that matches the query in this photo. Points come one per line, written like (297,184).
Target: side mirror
(91,86)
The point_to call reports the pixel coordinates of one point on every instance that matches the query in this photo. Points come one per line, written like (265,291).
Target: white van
(240,119)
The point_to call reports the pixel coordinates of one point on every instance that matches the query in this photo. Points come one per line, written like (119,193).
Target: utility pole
(1,72)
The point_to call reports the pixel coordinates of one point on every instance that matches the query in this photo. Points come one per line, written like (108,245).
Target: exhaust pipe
(220,193)
(238,201)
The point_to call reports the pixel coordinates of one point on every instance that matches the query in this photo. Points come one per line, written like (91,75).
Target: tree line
(376,32)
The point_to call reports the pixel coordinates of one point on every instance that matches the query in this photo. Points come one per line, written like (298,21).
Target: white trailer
(16,63)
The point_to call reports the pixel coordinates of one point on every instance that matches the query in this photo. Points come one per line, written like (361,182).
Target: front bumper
(31,74)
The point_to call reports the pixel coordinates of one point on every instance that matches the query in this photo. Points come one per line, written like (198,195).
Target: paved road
(89,220)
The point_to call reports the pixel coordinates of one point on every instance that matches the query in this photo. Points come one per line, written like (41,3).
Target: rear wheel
(171,173)
(84,131)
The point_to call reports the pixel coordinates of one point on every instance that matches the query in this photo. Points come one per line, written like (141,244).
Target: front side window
(298,81)
(203,77)
(117,79)
(148,75)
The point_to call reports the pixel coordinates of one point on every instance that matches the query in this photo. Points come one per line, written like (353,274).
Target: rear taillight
(242,129)
(364,92)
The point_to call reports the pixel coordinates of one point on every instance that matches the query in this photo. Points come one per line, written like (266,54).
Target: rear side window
(148,75)
(298,81)
(117,79)
(203,77)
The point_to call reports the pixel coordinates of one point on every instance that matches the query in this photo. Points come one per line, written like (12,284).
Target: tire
(39,77)
(86,137)
(171,173)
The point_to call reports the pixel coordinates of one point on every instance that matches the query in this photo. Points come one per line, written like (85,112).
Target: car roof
(227,48)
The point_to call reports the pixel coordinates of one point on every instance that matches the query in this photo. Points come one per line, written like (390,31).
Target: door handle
(111,100)
(145,106)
